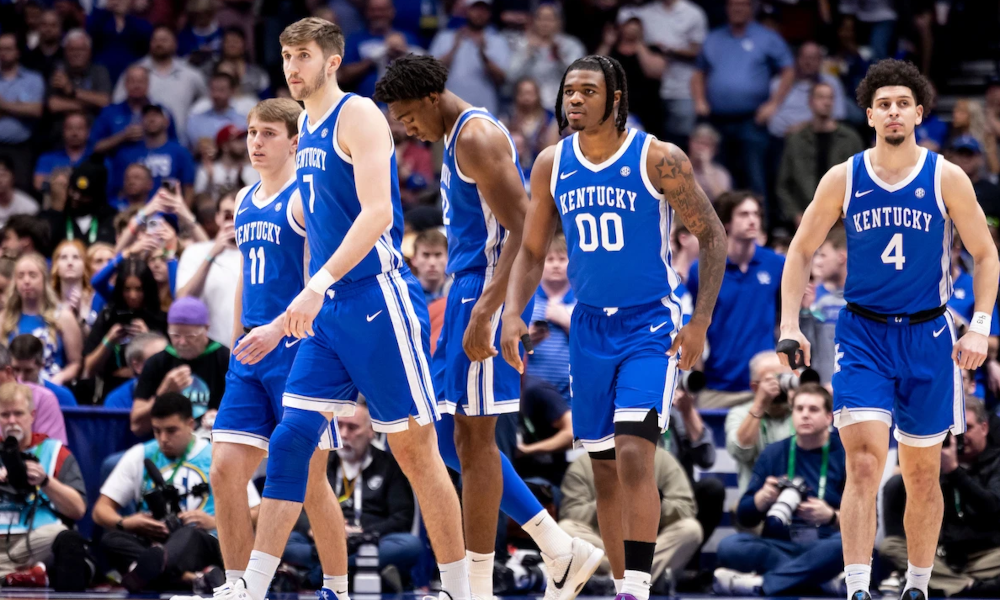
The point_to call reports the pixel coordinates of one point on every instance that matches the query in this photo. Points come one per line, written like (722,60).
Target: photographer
(41,487)
(968,557)
(179,549)
(796,489)
(766,419)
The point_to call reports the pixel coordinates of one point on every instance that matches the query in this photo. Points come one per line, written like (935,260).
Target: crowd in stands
(123,145)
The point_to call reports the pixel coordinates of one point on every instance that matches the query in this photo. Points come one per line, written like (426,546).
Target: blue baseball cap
(966,142)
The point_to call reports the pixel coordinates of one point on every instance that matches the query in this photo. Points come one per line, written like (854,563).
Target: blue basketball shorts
(373,337)
(885,371)
(619,368)
(251,407)
(487,388)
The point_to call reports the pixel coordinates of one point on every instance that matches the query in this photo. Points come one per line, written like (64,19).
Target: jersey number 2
(256,265)
(586,225)
(893,253)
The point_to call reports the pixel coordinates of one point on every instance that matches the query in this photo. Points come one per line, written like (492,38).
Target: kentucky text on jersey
(261,231)
(590,196)
(892,216)
(311,157)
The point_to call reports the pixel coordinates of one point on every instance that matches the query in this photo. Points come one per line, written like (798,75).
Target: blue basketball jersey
(617,225)
(330,200)
(899,238)
(273,249)
(475,236)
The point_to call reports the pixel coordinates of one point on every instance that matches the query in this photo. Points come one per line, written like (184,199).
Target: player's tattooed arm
(673,176)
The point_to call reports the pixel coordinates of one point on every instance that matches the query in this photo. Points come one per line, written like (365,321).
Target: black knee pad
(608,454)
(647,429)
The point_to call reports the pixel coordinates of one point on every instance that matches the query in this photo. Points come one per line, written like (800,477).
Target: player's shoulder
(483,136)
(545,159)
(242,194)
(302,120)
(361,111)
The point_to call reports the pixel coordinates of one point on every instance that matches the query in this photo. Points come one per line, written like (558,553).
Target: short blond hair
(278,110)
(558,244)
(12,391)
(327,35)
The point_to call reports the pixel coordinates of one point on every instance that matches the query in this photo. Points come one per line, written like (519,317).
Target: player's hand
(198,518)
(510,340)
(795,334)
(145,525)
(949,457)
(301,312)
(970,351)
(815,511)
(766,495)
(255,345)
(478,338)
(690,343)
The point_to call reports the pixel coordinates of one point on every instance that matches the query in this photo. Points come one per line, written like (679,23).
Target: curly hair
(614,81)
(890,72)
(411,77)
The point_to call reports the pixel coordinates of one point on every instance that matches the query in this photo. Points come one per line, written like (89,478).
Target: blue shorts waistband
(351,288)
(624,311)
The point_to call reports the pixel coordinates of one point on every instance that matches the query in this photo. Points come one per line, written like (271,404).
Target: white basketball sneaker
(567,574)
(232,591)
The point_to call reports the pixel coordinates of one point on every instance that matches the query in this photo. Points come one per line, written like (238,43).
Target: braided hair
(614,81)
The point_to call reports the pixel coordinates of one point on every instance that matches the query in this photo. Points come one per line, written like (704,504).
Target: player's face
(172,434)
(306,70)
(894,114)
(421,118)
(268,145)
(809,415)
(584,99)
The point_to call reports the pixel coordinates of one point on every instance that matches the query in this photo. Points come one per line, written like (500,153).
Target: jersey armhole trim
(295,225)
(938,196)
(848,184)
(336,132)
(644,173)
(241,195)
(555,168)
(498,125)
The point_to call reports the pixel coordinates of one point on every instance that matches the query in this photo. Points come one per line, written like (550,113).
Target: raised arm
(672,175)
(484,155)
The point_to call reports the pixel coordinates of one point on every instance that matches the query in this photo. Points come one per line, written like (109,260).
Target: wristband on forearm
(981,323)
(321,281)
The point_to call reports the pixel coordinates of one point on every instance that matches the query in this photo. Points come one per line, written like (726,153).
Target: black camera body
(164,501)
(15,461)
(791,493)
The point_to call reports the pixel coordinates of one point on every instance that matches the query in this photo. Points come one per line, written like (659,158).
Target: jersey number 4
(893,253)
(591,237)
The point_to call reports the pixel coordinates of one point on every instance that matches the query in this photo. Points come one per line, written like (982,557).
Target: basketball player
(896,346)
(271,239)
(613,190)
(361,317)
(482,190)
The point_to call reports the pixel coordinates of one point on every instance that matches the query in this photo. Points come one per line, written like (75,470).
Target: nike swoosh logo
(372,317)
(654,329)
(859,194)
(243,210)
(467,300)
(292,343)
(940,331)
(565,175)
(561,582)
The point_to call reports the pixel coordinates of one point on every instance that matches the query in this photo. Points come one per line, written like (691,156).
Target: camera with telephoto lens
(791,493)
(790,381)
(164,501)
(15,462)
(692,382)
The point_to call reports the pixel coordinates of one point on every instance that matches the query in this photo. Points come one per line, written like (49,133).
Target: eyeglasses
(185,336)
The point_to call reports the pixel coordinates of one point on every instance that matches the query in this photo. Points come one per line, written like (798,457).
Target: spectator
(120,38)
(677,29)
(137,187)
(99,255)
(644,66)
(164,558)
(543,52)
(969,546)
(550,321)
(806,553)
(811,151)
(71,280)
(375,497)
(120,125)
(23,233)
(823,301)
(932,133)
(6,276)
(679,534)
(33,526)
(12,200)
(797,106)
(142,347)
(414,166)
(545,433)
(254,81)
(43,58)
(532,121)
(165,158)
(366,53)
(32,307)
(77,84)
(21,94)
(210,270)
(200,42)
(751,286)
(969,118)
(477,57)
(172,82)
(764,420)
(967,153)
(134,310)
(430,255)
(713,178)
(192,365)
(732,85)
(880,18)
(232,169)
(48,414)
(75,131)
(87,216)
(28,359)
(684,249)
(209,123)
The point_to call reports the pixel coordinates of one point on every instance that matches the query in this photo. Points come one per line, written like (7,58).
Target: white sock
(259,573)
(619,584)
(480,574)
(859,578)
(454,579)
(232,575)
(917,577)
(551,539)
(637,583)
(336,583)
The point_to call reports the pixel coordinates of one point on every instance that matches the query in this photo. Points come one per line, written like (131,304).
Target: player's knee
(225,472)
(475,438)
(863,468)
(414,448)
(292,447)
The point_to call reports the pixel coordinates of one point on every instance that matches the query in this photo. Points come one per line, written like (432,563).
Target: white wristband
(981,323)
(321,281)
